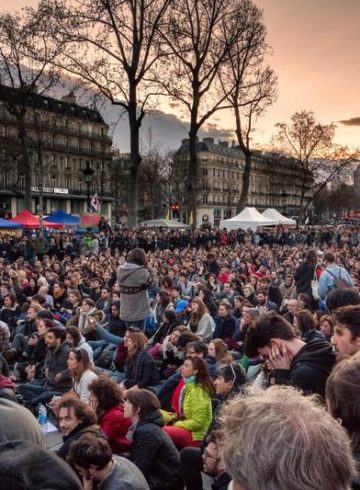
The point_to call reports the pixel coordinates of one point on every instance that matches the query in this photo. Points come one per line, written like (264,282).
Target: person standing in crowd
(135,279)
(334,276)
(305,274)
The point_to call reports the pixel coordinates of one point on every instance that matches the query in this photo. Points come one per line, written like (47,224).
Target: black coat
(141,371)
(154,453)
(74,435)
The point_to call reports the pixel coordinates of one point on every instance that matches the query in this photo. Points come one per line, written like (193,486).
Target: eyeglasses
(133,329)
(233,372)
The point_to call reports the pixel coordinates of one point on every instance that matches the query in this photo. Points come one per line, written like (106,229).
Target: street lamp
(88,178)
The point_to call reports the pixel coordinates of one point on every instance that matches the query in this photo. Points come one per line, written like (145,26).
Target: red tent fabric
(28,220)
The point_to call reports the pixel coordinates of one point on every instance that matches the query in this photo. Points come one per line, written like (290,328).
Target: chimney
(223,144)
(209,141)
(70,98)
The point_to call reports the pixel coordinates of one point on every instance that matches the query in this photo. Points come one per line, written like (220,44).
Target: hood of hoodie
(318,353)
(154,417)
(26,466)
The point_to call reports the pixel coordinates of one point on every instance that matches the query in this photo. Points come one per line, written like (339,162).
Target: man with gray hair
(280,440)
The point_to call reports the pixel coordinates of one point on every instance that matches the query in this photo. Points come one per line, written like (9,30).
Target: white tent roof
(248,218)
(280,218)
(164,223)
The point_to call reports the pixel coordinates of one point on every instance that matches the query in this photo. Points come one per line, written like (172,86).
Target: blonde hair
(293,435)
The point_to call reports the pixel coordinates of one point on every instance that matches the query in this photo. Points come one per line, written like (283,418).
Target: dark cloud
(353,121)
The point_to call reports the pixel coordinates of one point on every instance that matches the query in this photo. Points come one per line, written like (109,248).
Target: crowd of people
(166,355)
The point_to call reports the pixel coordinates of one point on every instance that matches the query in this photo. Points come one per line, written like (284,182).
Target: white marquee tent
(248,218)
(273,214)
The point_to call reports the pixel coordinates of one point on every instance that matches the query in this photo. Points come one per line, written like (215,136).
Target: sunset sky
(315,53)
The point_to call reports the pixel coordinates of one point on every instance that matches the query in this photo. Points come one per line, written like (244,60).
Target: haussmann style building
(63,139)
(275,181)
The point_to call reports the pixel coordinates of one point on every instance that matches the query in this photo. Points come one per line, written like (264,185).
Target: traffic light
(175,208)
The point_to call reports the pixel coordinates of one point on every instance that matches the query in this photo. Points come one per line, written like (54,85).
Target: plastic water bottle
(42,417)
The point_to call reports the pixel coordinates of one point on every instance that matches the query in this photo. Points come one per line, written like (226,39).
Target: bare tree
(25,60)
(311,145)
(250,86)
(113,47)
(193,33)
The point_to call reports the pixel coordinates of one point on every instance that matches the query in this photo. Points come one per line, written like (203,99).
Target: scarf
(139,365)
(84,319)
(188,381)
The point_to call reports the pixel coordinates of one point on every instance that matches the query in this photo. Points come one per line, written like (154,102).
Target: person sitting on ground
(152,450)
(169,352)
(305,324)
(201,322)
(192,348)
(218,349)
(192,405)
(92,458)
(77,341)
(225,323)
(294,362)
(169,322)
(57,379)
(140,369)
(342,401)
(230,382)
(87,318)
(27,466)
(82,372)
(7,386)
(106,399)
(326,326)
(75,418)
(317,454)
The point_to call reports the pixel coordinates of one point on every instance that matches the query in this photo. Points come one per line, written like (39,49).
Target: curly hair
(107,392)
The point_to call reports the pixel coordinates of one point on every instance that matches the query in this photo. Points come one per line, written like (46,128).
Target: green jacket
(197,408)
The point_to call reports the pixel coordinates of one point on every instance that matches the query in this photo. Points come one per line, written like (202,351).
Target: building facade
(62,139)
(275,181)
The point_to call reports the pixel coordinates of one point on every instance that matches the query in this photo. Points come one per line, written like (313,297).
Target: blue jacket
(327,281)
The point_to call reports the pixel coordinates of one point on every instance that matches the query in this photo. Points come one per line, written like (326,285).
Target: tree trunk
(191,187)
(133,190)
(244,194)
(302,198)
(25,165)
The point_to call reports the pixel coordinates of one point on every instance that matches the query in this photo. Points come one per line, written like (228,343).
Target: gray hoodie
(134,282)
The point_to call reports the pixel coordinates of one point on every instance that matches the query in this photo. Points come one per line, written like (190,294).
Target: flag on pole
(95,203)
(167,217)
(191,218)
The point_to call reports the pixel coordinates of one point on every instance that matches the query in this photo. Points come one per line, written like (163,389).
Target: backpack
(339,283)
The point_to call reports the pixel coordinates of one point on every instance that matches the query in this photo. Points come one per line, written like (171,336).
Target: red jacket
(115,426)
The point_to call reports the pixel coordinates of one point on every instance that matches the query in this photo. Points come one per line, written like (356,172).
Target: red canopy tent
(28,220)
